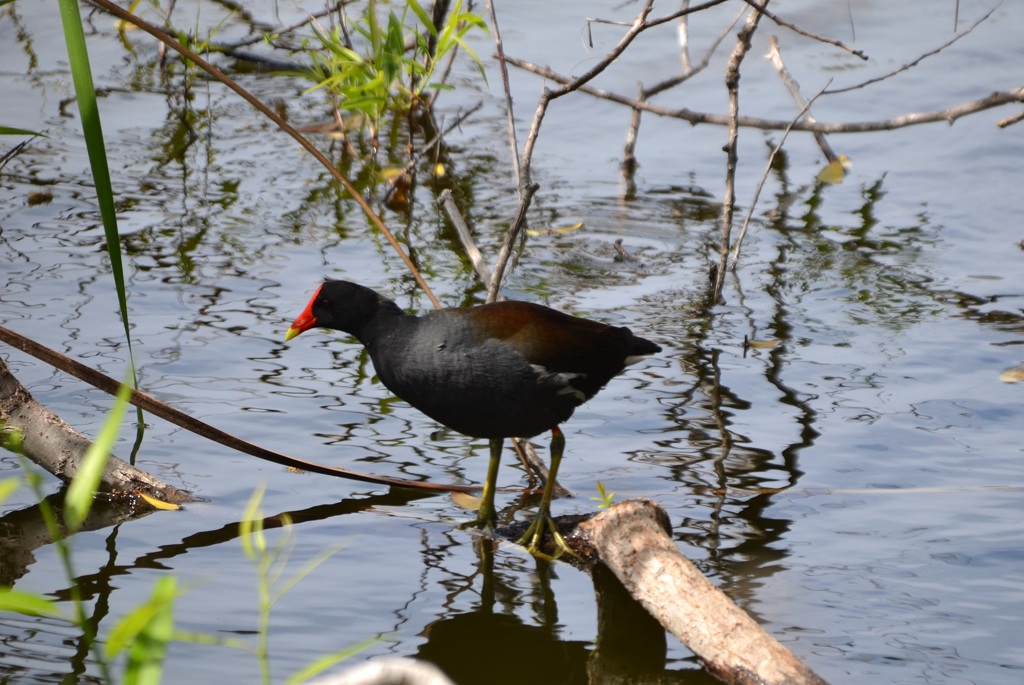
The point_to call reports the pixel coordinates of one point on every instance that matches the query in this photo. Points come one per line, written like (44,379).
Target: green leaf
(424,18)
(79,498)
(11,131)
(328,660)
(146,632)
(394,48)
(372,31)
(250,530)
(26,603)
(88,107)
(7,486)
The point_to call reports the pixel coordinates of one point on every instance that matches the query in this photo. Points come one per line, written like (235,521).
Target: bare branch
(1010,121)
(734,256)
(732,82)
(500,54)
(465,237)
(629,162)
(575,84)
(917,61)
(949,115)
(775,57)
(690,72)
(650,23)
(525,185)
(510,239)
(804,32)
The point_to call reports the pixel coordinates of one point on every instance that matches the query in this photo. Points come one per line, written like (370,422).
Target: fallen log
(53,444)
(632,540)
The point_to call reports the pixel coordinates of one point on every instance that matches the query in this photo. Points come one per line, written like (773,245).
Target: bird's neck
(386,320)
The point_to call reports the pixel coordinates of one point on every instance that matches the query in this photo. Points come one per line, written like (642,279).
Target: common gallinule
(495,371)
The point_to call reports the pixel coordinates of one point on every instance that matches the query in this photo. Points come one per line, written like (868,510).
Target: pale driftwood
(54,445)
(387,672)
(447,202)
(632,539)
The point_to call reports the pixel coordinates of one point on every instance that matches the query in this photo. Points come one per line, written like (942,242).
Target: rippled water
(857,487)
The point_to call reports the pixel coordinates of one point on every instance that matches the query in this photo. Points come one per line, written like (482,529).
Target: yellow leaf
(836,170)
(390,172)
(553,230)
(1014,375)
(159,504)
(466,501)
(763,344)
(439,170)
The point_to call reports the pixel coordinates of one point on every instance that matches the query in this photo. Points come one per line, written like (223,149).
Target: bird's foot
(484,523)
(535,533)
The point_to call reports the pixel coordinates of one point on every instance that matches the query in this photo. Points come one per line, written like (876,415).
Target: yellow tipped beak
(305,321)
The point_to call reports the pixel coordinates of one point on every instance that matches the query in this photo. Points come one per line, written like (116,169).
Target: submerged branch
(949,115)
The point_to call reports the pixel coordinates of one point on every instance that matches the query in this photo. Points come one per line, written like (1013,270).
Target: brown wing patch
(559,342)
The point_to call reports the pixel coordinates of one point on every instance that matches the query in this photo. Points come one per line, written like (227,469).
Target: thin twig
(465,237)
(629,161)
(917,61)
(651,23)
(690,72)
(525,184)
(575,84)
(499,47)
(804,32)
(1010,121)
(734,255)
(732,82)
(775,57)
(510,239)
(193,425)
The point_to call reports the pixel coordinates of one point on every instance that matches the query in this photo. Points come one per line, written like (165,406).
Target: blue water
(857,488)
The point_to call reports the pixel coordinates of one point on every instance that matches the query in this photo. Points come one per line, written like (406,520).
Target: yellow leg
(531,538)
(487,515)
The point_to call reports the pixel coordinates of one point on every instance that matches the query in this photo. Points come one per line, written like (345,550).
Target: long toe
(534,536)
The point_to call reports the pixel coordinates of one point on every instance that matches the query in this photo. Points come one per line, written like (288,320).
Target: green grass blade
(250,529)
(328,660)
(11,131)
(394,47)
(88,107)
(26,603)
(79,498)
(424,18)
(145,632)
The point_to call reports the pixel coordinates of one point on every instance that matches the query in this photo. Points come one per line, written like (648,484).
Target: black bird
(495,371)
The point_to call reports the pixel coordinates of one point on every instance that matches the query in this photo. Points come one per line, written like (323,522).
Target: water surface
(857,488)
